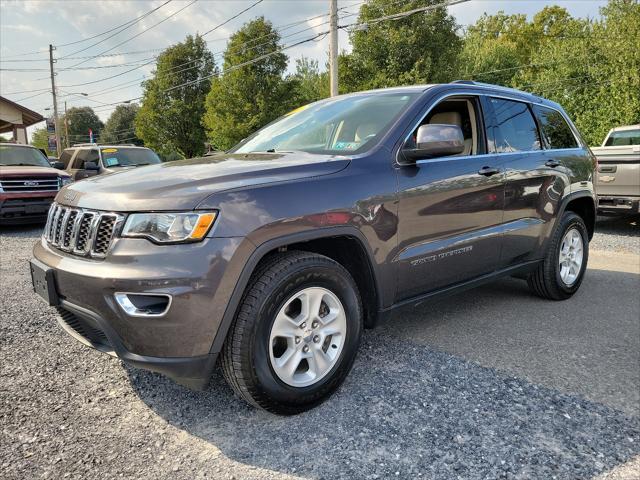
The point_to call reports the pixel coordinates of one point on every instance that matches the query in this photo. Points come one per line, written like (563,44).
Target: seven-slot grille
(80,231)
(30,184)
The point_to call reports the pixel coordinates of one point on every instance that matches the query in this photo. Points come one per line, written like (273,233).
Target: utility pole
(55,103)
(66,125)
(333,46)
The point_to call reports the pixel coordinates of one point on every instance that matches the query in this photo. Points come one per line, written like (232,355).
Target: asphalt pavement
(492,383)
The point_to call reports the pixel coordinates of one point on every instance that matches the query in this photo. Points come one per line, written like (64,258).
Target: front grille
(83,328)
(30,184)
(80,231)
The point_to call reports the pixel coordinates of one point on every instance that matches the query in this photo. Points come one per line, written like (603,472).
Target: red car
(28,184)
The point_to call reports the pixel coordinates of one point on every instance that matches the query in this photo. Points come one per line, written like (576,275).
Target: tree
(419,48)
(169,119)
(79,121)
(120,126)
(592,68)
(249,93)
(494,48)
(310,84)
(40,139)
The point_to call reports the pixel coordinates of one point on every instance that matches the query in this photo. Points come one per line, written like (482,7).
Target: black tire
(546,281)
(245,357)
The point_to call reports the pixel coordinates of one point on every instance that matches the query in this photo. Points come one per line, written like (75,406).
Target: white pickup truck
(618,184)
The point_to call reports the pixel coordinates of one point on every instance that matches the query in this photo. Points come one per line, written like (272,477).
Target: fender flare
(259,253)
(574,196)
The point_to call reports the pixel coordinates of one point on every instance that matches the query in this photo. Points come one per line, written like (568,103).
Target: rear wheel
(562,271)
(296,334)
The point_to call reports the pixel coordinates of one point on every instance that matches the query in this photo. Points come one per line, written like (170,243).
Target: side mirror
(57,164)
(93,166)
(436,140)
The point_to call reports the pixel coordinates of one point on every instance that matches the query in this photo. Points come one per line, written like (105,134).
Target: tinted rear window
(555,129)
(515,130)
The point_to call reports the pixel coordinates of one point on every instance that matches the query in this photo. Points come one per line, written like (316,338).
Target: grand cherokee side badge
(69,196)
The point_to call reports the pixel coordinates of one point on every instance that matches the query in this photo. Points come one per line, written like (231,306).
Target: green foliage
(309,83)
(418,48)
(120,126)
(248,95)
(79,121)
(40,139)
(171,110)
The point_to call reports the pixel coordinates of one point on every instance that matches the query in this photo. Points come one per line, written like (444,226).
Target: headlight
(65,181)
(169,227)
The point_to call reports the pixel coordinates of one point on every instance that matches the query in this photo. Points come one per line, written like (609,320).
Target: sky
(28,27)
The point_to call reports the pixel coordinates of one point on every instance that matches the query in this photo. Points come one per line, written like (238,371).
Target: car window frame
(478,103)
(535,107)
(528,104)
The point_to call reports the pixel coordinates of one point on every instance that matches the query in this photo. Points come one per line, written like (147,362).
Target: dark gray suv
(276,255)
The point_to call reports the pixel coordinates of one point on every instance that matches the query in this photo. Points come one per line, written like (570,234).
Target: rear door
(450,208)
(535,180)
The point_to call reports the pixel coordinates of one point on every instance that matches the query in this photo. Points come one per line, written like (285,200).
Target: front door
(450,208)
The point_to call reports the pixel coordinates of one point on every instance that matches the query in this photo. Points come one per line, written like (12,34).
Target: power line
(141,33)
(231,18)
(128,25)
(135,20)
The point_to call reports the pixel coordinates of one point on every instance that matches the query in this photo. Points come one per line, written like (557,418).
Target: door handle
(488,171)
(552,163)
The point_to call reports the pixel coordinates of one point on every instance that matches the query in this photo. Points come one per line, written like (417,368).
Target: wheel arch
(337,243)
(584,205)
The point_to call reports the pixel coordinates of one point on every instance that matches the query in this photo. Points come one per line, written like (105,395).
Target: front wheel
(296,334)
(560,274)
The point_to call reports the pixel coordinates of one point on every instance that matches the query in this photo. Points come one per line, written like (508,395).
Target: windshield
(624,137)
(22,156)
(128,157)
(348,124)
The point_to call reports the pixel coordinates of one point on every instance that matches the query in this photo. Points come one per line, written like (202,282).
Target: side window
(515,129)
(80,159)
(464,113)
(557,134)
(65,158)
(93,156)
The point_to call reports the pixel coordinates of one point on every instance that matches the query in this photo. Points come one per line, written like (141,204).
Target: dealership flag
(90,136)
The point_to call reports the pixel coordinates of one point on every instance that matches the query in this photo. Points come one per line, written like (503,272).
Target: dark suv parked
(275,255)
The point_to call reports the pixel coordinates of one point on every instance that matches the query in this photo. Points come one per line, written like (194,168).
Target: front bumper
(199,278)
(23,208)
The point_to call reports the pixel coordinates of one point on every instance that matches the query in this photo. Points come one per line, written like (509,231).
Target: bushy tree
(79,121)
(310,84)
(169,119)
(249,93)
(419,48)
(120,127)
(40,139)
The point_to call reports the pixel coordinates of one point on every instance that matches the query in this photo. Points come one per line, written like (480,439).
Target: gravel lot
(464,388)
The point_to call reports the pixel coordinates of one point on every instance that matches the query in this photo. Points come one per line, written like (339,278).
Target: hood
(183,184)
(22,171)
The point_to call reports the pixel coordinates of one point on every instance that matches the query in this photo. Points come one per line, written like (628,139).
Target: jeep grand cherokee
(275,255)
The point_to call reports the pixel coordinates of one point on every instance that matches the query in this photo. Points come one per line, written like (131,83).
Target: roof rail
(85,145)
(467,82)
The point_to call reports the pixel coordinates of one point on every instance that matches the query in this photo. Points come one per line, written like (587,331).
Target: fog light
(143,304)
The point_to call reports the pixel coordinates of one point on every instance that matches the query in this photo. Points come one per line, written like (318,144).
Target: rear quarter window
(555,130)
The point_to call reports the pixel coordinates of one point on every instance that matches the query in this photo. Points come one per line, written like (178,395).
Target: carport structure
(16,118)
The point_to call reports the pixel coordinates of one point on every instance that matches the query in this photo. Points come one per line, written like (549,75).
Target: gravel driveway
(464,388)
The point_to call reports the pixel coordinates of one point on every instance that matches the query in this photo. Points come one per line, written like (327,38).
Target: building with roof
(15,118)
